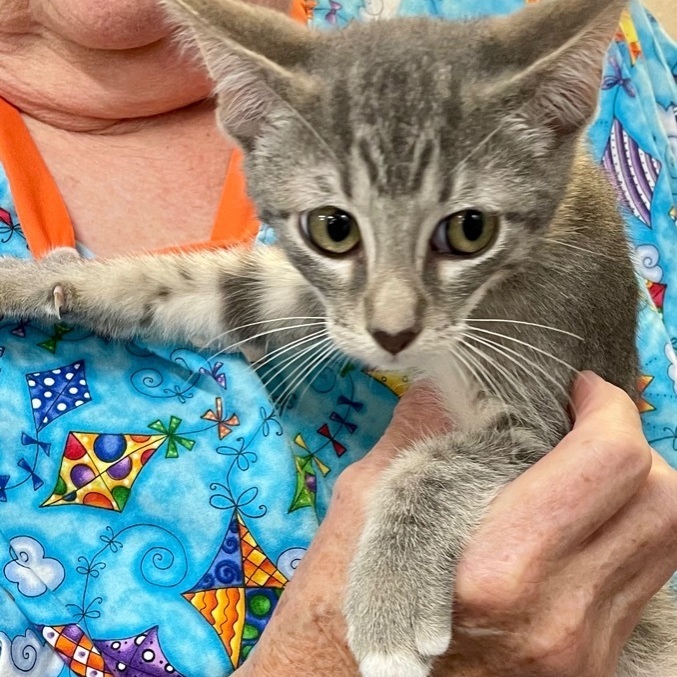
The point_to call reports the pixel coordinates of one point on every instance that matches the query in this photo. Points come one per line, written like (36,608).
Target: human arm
(556,578)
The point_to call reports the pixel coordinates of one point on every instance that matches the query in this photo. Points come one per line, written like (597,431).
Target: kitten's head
(407,166)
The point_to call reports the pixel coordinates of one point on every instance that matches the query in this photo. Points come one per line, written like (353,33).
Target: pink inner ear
(568,82)
(568,101)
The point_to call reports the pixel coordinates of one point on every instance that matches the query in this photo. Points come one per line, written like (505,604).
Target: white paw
(393,665)
(431,641)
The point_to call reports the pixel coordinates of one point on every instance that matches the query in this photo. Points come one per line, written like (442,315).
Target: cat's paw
(433,639)
(393,665)
(26,291)
(380,627)
(400,592)
(398,611)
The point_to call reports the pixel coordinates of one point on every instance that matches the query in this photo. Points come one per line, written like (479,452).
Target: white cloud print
(27,656)
(33,573)
(646,259)
(672,369)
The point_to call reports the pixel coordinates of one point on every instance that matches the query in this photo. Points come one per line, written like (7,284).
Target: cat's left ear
(255,56)
(558,47)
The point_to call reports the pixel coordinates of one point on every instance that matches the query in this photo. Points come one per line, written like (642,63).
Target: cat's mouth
(411,350)
(385,353)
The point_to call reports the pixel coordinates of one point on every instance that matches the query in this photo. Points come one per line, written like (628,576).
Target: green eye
(465,233)
(331,230)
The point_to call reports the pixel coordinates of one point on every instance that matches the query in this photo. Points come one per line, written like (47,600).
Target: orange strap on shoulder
(236,220)
(42,214)
(40,207)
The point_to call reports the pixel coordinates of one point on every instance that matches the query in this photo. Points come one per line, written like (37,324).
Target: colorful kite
(657,292)
(306,465)
(238,593)
(57,391)
(632,170)
(76,650)
(305,494)
(397,383)
(643,383)
(628,33)
(139,656)
(99,469)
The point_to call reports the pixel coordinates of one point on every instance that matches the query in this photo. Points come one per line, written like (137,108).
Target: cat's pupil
(473,225)
(339,225)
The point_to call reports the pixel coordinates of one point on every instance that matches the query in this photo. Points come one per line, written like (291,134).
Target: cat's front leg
(399,603)
(230,296)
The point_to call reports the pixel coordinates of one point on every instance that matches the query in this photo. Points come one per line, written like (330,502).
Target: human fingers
(542,517)
(635,553)
(590,475)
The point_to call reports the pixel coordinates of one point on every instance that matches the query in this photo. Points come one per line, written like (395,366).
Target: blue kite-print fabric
(154,501)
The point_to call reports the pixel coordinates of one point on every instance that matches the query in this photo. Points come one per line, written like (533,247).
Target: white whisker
(528,324)
(509,377)
(481,375)
(498,392)
(325,361)
(294,379)
(582,249)
(232,346)
(260,322)
(274,354)
(525,361)
(524,343)
(292,359)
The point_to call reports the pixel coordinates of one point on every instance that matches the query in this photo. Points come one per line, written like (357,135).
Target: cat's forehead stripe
(365,152)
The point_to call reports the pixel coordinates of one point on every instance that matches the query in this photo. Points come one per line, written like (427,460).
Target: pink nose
(395,343)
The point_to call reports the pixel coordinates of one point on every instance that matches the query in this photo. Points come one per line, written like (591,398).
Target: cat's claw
(393,665)
(59,299)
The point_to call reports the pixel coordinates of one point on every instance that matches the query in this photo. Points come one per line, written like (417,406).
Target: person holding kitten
(150,511)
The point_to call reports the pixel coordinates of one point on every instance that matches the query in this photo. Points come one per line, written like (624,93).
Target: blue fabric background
(157,577)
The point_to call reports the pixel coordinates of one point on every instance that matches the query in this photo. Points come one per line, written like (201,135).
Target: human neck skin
(87,65)
(121,115)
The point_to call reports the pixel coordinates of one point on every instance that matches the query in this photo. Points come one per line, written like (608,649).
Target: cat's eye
(331,230)
(465,233)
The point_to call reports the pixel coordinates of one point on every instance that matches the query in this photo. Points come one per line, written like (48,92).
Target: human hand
(570,552)
(556,577)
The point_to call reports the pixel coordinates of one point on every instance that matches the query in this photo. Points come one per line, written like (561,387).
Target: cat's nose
(395,343)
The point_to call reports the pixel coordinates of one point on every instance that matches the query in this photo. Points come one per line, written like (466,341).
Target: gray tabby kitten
(434,204)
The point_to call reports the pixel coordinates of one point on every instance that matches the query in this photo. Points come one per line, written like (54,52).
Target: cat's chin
(406,367)
(403,363)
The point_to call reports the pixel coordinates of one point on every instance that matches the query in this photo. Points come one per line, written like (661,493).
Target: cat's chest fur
(469,409)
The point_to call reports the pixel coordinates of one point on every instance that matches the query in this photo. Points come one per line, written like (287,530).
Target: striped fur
(402,123)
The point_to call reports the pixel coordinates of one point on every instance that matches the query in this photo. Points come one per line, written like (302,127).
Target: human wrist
(307,633)
(307,644)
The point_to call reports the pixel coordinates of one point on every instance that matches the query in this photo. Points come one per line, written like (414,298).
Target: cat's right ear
(255,56)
